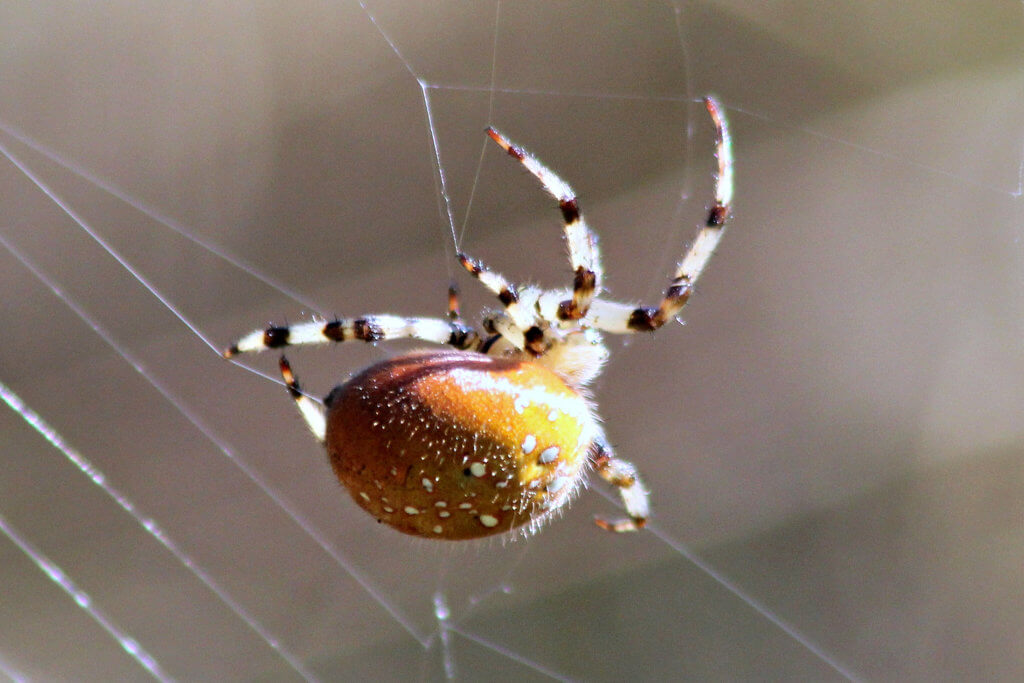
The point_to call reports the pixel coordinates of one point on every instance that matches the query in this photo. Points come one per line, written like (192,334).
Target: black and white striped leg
(584,255)
(312,412)
(614,317)
(622,475)
(519,324)
(371,328)
(508,294)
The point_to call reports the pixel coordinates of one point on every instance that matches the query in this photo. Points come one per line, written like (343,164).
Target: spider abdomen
(457,444)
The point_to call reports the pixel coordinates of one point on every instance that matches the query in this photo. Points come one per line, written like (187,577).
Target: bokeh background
(836,429)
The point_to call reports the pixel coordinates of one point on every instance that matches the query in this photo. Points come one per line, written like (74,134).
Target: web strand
(66,584)
(59,203)
(693,558)
(888,156)
(180,406)
(98,478)
(490,121)
(508,654)
(11,673)
(156,215)
(719,578)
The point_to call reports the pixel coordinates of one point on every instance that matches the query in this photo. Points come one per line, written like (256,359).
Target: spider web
(837,430)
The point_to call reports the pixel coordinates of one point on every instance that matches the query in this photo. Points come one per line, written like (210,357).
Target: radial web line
(60,203)
(442,187)
(693,558)
(505,652)
(129,268)
(445,622)
(446,626)
(683,550)
(149,525)
(424,92)
(442,614)
(490,116)
(669,250)
(66,584)
(389,41)
(9,672)
(157,216)
(179,405)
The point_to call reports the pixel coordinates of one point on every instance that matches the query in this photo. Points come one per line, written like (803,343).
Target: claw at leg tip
(499,138)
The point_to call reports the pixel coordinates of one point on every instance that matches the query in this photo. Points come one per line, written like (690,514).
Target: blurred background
(836,430)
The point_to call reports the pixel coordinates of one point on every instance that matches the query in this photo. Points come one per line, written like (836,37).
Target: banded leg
(454,314)
(519,325)
(584,255)
(371,328)
(622,475)
(312,412)
(613,317)
(506,292)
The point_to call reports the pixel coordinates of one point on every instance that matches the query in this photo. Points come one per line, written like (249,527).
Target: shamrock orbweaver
(499,431)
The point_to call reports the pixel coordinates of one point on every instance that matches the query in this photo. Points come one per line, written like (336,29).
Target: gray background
(837,428)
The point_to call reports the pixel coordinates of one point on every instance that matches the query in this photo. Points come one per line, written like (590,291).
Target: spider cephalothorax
(498,431)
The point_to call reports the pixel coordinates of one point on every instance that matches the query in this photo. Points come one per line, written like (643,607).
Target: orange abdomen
(458,445)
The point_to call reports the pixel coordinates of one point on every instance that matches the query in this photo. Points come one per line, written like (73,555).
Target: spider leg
(584,255)
(508,294)
(370,328)
(622,318)
(622,475)
(312,411)
(453,303)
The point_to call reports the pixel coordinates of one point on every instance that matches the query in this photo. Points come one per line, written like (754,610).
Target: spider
(498,432)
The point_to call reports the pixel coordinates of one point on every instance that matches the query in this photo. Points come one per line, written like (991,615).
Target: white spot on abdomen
(549,454)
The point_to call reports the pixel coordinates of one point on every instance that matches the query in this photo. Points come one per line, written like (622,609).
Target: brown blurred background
(837,428)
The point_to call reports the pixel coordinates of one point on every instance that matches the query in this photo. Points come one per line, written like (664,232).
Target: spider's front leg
(618,318)
(584,256)
(622,475)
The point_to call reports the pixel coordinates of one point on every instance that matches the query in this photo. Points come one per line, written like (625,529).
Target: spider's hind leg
(622,475)
(312,411)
